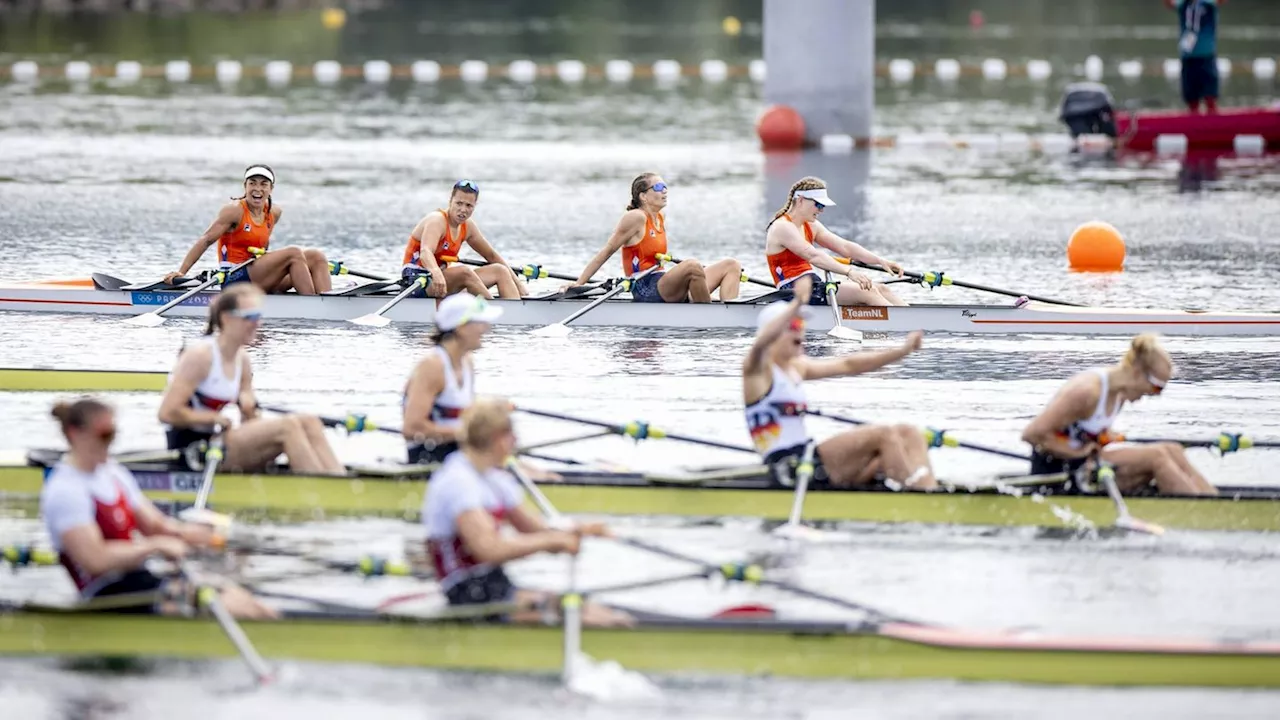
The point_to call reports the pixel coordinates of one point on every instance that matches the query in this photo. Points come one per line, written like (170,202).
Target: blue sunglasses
(467,185)
(659,187)
(250,315)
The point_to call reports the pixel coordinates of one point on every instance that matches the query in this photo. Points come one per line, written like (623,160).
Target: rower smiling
(104,528)
(248,223)
(471,496)
(450,230)
(641,234)
(790,251)
(775,404)
(214,372)
(1072,429)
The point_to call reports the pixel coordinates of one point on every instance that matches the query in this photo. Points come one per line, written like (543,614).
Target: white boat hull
(1032,318)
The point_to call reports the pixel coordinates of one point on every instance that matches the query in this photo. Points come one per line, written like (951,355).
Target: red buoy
(780,128)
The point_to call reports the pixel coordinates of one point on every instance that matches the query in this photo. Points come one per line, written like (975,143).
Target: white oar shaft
(538,498)
(261,671)
(624,285)
(420,281)
(212,457)
(571,607)
(803,475)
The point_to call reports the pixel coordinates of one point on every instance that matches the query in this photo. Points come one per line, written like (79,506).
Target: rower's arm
(480,533)
(246,398)
(845,248)
(755,363)
(849,365)
(525,521)
(72,520)
(227,219)
(627,226)
(175,406)
(794,241)
(425,385)
(1074,401)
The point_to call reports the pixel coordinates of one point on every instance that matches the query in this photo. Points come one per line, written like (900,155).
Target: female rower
(790,251)
(641,233)
(214,372)
(1072,428)
(92,508)
(450,230)
(775,406)
(247,223)
(471,497)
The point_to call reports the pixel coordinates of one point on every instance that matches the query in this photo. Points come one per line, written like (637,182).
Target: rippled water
(123,182)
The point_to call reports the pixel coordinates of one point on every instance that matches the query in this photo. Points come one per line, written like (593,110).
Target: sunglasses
(817,204)
(106,435)
(467,185)
(250,315)
(658,187)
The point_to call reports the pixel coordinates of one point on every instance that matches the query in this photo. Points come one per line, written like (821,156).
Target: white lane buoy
(327,72)
(425,71)
(619,71)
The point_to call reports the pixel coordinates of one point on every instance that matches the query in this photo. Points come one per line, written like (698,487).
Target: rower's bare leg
(314,430)
(267,271)
(917,456)
(460,277)
(241,604)
(255,443)
(725,275)
(850,294)
(855,457)
(318,264)
(596,615)
(1179,455)
(500,275)
(889,295)
(687,280)
(1137,465)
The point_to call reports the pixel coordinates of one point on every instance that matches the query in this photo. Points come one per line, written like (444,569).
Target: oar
(561,329)
(208,597)
(936,278)
(804,473)
(637,429)
(376,319)
(837,329)
(933,438)
(198,513)
(532,272)
(1107,476)
(338,268)
(1225,442)
(744,277)
(155,319)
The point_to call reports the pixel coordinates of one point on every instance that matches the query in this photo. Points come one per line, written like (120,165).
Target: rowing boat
(113,296)
(739,492)
(664,644)
(72,380)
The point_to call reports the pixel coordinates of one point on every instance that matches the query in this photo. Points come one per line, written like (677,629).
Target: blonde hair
(1144,349)
(483,422)
(808,182)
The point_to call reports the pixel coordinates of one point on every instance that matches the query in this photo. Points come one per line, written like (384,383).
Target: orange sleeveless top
(233,247)
(446,250)
(643,255)
(786,265)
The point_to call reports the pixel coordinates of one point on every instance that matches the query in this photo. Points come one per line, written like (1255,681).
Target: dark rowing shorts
(134,582)
(238,275)
(817,296)
(408,275)
(782,466)
(1199,78)
(1045,464)
(646,288)
(490,587)
(430,452)
(183,438)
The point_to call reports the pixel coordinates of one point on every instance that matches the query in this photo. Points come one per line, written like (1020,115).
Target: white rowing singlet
(776,421)
(456,488)
(216,390)
(1100,421)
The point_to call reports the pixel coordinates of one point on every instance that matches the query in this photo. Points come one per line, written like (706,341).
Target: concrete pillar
(820,57)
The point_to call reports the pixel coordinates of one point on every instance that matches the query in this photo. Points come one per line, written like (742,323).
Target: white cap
(260,170)
(818,195)
(459,309)
(773,311)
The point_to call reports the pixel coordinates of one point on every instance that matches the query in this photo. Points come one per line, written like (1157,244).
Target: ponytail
(1143,349)
(805,183)
(638,186)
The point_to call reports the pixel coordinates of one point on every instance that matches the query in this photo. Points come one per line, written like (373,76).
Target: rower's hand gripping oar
(156,318)
(376,319)
(933,279)
(561,329)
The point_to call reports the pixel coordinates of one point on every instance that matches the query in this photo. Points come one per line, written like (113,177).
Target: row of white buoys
(980,142)
(1175,144)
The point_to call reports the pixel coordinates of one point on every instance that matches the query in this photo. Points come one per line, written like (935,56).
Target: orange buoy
(780,128)
(1096,247)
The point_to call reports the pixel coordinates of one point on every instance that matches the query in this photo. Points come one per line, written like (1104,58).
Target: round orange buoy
(1096,247)
(780,128)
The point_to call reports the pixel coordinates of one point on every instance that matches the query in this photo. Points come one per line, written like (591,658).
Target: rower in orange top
(247,223)
(790,250)
(642,236)
(1073,428)
(449,230)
